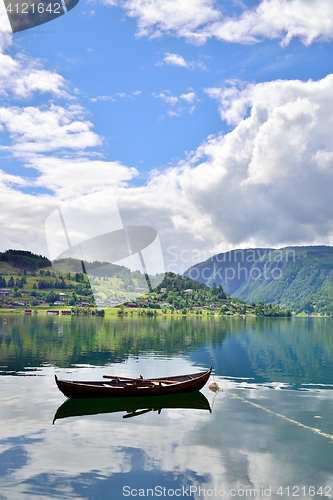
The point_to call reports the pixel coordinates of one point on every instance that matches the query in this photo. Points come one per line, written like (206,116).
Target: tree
(52,297)
(221,294)
(259,309)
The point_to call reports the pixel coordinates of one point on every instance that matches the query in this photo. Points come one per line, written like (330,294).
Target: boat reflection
(132,406)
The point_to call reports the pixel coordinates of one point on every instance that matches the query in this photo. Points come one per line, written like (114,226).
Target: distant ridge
(24,259)
(299,277)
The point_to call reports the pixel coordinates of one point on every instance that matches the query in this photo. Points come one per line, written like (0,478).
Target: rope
(290,420)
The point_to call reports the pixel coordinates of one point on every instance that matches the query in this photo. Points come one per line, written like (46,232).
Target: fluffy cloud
(22,76)
(199,20)
(284,19)
(38,129)
(188,96)
(267,182)
(22,216)
(52,140)
(185,17)
(70,177)
(175,60)
(116,96)
(178,60)
(167,97)
(180,101)
(47,128)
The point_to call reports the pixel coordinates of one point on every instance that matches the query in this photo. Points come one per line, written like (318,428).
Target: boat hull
(133,387)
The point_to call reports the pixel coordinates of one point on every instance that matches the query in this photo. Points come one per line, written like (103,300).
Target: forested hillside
(24,259)
(300,278)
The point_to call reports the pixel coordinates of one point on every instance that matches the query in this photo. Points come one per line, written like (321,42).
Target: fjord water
(267,434)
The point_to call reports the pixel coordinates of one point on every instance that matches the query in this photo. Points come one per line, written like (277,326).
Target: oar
(142,379)
(122,378)
(136,413)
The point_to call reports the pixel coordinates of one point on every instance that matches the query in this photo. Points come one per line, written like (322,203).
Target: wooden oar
(135,413)
(122,378)
(142,379)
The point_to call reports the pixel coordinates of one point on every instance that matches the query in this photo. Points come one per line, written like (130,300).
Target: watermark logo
(193,492)
(87,236)
(241,265)
(19,15)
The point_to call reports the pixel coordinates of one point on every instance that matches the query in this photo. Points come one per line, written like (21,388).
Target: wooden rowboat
(133,387)
(131,407)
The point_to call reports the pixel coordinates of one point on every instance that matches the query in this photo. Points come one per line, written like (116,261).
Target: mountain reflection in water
(295,351)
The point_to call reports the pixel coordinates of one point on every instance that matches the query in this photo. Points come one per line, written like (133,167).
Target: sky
(209,121)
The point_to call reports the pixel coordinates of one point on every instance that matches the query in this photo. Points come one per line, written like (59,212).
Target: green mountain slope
(23,259)
(297,277)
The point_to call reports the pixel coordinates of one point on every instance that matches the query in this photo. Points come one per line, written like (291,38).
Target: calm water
(268,434)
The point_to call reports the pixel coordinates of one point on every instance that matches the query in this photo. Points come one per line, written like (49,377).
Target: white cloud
(199,20)
(234,100)
(183,18)
(284,19)
(22,216)
(103,98)
(52,140)
(189,96)
(73,177)
(44,129)
(13,180)
(178,60)
(175,60)
(267,182)
(116,96)
(22,76)
(166,97)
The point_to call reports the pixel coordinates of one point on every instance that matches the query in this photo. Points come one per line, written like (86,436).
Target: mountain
(24,259)
(300,278)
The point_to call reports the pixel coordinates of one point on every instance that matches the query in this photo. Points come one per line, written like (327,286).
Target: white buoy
(213,386)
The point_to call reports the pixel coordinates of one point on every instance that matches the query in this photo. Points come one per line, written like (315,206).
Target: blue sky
(208,120)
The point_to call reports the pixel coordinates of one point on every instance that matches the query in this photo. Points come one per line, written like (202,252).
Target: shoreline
(131,313)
